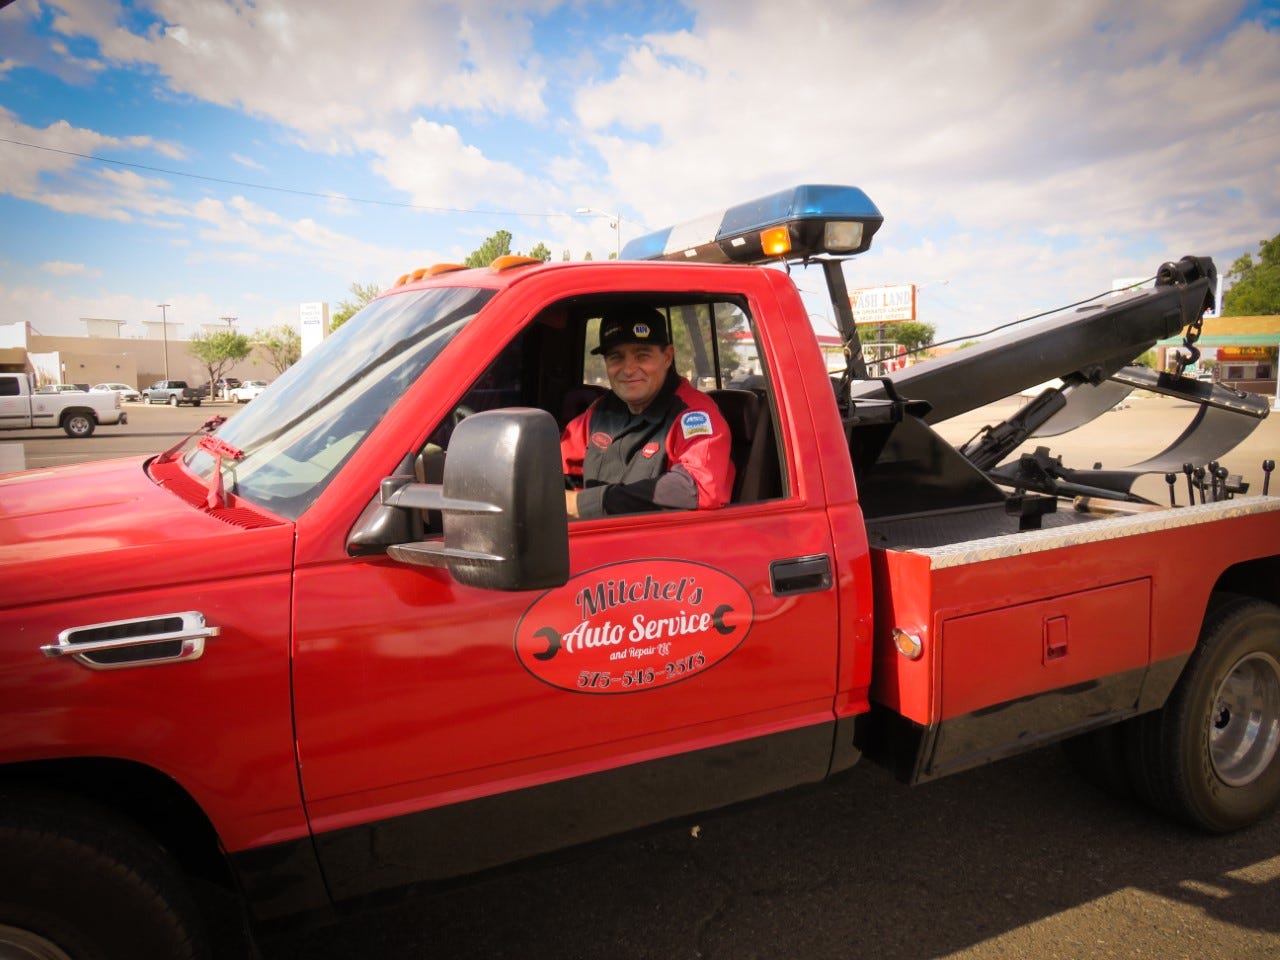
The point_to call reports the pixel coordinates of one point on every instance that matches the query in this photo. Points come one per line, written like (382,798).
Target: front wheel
(78,425)
(81,883)
(173,399)
(1211,756)
(147,399)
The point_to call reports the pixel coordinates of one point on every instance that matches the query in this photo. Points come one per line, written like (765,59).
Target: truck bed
(988,534)
(1031,636)
(932,531)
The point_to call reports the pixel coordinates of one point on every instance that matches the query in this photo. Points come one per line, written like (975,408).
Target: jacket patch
(649,449)
(601,440)
(695,423)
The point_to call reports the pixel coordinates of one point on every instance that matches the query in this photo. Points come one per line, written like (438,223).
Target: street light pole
(615,222)
(164,331)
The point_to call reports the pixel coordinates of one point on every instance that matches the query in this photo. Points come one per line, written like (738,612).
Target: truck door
(689,662)
(15,409)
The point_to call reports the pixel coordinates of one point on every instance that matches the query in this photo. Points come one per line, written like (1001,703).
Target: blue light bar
(812,215)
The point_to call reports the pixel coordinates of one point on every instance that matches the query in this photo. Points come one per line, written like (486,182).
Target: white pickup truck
(79,414)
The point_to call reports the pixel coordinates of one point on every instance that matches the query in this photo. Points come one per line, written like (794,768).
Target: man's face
(637,372)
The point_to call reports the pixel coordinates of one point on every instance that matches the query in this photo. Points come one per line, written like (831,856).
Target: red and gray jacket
(673,456)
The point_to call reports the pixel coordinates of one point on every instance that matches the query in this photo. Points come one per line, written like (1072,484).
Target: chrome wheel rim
(1244,725)
(27,945)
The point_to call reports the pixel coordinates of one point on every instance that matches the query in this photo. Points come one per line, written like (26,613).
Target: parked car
(60,388)
(249,390)
(172,392)
(223,386)
(125,391)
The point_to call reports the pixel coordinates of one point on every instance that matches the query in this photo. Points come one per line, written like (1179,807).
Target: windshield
(299,432)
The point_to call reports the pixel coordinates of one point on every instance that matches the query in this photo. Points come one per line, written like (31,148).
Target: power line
(299,193)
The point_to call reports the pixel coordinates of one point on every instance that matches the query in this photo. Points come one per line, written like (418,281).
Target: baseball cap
(632,324)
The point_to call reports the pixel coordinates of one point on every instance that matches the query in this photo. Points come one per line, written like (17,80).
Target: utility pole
(164,330)
(229,321)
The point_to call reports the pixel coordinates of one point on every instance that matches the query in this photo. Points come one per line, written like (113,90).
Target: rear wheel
(173,399)
(78,425)
(1211,756)
(79,882)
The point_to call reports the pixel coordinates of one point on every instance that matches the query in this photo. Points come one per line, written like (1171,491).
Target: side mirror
(502,500)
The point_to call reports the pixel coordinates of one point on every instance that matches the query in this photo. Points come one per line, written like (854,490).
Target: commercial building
(103,356)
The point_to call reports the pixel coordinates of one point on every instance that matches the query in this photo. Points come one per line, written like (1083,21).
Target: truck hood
(99,527)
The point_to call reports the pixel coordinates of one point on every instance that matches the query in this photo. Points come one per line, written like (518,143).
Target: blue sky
(1024,155)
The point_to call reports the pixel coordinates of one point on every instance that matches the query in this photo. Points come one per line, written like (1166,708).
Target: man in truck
(655,442)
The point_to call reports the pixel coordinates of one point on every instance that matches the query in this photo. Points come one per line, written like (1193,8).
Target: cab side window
(717,350)
(549,365)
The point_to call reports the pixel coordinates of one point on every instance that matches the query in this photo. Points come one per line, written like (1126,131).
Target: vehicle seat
(577,400)
(754,455)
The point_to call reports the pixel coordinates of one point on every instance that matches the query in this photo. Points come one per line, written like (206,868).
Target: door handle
(800,575)
(168,638)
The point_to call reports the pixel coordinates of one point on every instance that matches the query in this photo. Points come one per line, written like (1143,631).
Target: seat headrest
(740,409)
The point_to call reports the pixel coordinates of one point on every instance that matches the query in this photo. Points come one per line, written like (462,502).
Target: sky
(235,159)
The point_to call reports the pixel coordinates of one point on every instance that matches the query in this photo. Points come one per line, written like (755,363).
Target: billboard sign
(313,321)
(884,304)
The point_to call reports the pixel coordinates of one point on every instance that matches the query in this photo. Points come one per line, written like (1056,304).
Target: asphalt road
(1017,860)
(1020,859)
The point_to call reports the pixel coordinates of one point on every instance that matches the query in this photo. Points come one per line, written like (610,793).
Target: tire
(1211,755)
(147,399)
(173,400)
(78,425)
(195,402)
(79,882)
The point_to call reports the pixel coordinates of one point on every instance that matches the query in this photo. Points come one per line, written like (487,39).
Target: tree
(540,251)
(498,245)
(912,335)
(282,344)
(361,293)
(218,351)
(1255,287)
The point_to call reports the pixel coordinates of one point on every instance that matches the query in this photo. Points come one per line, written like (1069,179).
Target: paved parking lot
(1019,859)
(151,428)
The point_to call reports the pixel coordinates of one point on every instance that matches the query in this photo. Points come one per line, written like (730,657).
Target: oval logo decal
(634,626)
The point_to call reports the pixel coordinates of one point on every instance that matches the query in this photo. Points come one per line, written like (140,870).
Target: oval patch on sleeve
(695,423)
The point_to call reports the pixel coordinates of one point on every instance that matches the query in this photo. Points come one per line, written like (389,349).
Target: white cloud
(1051,136)
(61,268)
(320,69)
(247,162)
(27,171)
(433,164)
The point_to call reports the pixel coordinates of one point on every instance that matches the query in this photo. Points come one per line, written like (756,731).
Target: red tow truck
(347,641)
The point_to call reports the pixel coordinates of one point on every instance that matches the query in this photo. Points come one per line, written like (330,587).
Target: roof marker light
(434,270)
(819,220)
(512,260)
(774,242)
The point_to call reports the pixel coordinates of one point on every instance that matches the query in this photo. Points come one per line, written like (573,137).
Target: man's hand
(571,504)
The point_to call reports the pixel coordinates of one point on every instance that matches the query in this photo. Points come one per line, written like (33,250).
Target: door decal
(633,626)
